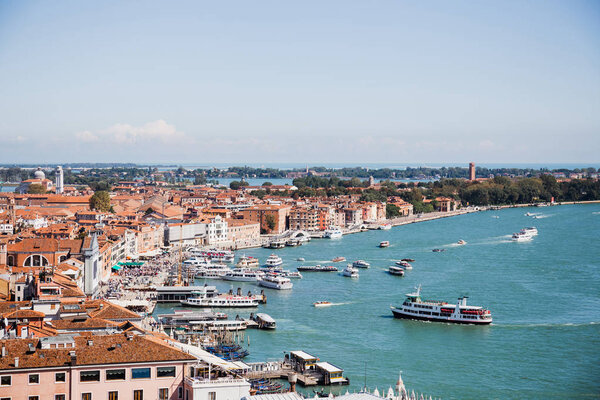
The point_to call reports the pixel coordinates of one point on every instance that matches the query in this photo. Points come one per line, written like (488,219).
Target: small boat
(461,242)
(531,231)
(361,264)
(277,244)
(350,272)
(404,265)
(385,227)
(495,216)
(291,274)
(395,270)
(339,259)
(264,321)
(322,304)
(385,243)
(300,259)
(438,250)
(408,259)
(521,237)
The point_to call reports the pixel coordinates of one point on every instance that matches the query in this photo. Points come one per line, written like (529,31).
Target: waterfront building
(304,218)
(241,231)
(268,215)
(117,366)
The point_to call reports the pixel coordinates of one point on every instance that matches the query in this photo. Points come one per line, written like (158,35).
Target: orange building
(268,214)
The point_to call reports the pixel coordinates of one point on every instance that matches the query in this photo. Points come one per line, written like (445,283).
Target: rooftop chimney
(31,348)
(16,362)
(3,351)
(90,342)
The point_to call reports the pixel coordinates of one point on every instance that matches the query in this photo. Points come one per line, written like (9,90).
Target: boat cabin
(302,361)
(332,375)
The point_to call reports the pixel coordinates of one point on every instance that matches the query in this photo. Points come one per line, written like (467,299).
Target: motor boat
(242,275)
(461,242)
(404,265)
(350,272)
(361,264)
(396,270)
(317,268)
(438,250)
(383,244)
(339,259)
(264,321)
(300,259)
(322,304)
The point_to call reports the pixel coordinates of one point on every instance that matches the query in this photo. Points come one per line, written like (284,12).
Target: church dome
(39,174)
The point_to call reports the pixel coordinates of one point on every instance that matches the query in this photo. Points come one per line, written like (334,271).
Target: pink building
(122,366)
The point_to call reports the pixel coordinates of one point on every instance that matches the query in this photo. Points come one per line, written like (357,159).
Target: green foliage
(100,201)
(36,188)
(259,193)
(392,211)
(270,220)
(235,185)
(267,184)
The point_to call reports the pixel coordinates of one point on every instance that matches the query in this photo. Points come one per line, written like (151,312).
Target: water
(544,296)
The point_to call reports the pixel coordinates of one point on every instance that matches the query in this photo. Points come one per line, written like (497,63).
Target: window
(180,392)
(115,375)
(212,395)
(162,372)
(163,394)
(86,396)
(138,394)
(34,397)
(89,376)
(5,398)
(113,395)
(140,373)
(6,380)
(34,379)
(60,377)
(59,397)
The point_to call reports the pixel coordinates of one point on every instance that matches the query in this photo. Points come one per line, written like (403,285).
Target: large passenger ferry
(431,310)
(201,300)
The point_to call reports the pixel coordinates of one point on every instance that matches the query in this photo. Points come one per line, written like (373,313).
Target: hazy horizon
(269,82)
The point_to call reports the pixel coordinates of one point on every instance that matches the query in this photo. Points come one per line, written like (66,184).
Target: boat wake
(547,325)
(542,216)
(596,213)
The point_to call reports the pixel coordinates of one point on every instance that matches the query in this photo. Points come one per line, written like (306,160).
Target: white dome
(39,174)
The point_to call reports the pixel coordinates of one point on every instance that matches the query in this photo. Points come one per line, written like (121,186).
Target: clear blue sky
(305,81)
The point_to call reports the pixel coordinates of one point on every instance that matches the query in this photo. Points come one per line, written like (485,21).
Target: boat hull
(239,279)
(399,314)
(278,286)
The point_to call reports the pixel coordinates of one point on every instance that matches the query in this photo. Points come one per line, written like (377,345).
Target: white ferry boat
(439,311)
(215,255)
(202,300)
(242,275)
(332,233)
(275,281)
(361,264)
(531,231)
(247,262)
(211,271)
(350,271)
(273,261)
(404,264)
(196,262)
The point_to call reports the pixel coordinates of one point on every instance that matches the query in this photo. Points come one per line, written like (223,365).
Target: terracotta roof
(103,349)
(20,314)
(107,310)
(75,324)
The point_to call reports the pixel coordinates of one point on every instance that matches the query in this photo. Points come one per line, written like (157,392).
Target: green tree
(391,211)
(100,201)
(270,220)
(267,184)
(36,188)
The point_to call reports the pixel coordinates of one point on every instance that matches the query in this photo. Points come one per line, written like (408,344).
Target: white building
(216,231)
(59,180)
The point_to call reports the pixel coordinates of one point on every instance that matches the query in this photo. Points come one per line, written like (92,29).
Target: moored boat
(317,268)
(264,321)
(201,300)
(332,233)
(242,275)
(247,262)
(438,311)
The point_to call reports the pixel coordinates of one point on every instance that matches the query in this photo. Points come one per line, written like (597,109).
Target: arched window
(35,260)
(11,260)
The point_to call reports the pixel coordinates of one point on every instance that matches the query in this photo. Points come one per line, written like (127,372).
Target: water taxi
(404,265)
(322,304)
(461,242)
(439,311)
(396,270)
(383,244)
(361,264)
(275,281)
(350,271)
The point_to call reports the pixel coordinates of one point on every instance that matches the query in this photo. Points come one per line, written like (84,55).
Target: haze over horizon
(312,82)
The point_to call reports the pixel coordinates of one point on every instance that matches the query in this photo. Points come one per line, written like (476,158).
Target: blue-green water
(544,296)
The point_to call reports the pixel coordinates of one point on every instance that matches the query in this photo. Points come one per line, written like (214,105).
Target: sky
(306,81)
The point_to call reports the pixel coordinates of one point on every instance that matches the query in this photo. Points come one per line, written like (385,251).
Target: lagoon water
(544,296)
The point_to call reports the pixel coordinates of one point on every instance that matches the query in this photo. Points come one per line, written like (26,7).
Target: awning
(117,267)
